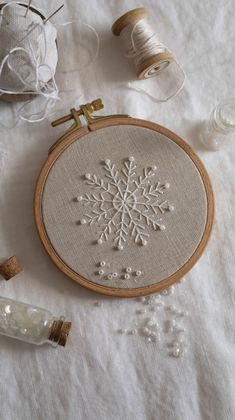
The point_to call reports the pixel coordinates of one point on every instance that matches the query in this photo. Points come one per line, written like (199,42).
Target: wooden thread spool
(10,97)
(154,64)
(10,268)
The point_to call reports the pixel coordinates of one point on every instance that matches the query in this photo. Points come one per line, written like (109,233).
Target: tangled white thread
(142,43)
(28,74)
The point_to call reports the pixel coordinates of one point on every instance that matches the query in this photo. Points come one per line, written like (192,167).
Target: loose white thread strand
(47,91)
(142,43)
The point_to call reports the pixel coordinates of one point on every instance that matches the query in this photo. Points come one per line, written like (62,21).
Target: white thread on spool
(144,47)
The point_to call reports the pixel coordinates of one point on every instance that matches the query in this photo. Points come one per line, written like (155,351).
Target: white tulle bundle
(28,53)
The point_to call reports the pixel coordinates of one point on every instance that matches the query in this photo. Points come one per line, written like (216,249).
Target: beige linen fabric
(167,251)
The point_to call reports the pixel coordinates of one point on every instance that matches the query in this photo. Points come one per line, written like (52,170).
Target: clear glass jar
(31,324)
(220,128)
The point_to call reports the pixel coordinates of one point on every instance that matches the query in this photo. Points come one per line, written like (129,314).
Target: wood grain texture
(128,18)
(141,291)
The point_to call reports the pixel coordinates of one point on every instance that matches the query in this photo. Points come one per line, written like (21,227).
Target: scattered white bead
(146,332)
(143,298)
(83,221)
(128,269)
(154,168)
(107,161)
(133,332)
(171,208)
(101,272)
(138,273)
(99,242)
(144,242)
(109,276)
(102,264)
(126,276)
(149,339)
(8,309)
(167,185)
(162,227)
(131,158)
(88,176)
(115,275)
(176,352)
(120,247)
(80,198)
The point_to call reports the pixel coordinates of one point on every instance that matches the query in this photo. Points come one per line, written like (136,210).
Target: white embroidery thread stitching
(126,205)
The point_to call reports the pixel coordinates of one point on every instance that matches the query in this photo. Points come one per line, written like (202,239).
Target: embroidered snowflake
(126,204)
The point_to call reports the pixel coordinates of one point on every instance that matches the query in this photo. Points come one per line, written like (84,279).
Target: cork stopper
(59,332)
(10,268)
(128,18)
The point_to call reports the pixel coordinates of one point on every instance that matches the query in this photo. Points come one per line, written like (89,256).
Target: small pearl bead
(143,299)
(126,276)
(99,241)
(149,339)
(128,269)
(101,272)
(144,242)
(83,221)
(109,276)
(87,176)
(165,292)
(154,168)
(145,331)
(80,198)
(167,185)
(115,275)
(107,161)
(120,247)
(133,332)
(162,227)
(131,158)
(138,273)
(171,208)
(102,264)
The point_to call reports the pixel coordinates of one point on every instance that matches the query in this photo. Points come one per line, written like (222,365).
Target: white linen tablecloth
(101,374)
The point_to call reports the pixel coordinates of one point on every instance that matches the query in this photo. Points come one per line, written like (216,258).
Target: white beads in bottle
(31,324)
(220,128)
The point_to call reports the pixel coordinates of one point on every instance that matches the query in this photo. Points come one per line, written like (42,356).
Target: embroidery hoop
(76,133)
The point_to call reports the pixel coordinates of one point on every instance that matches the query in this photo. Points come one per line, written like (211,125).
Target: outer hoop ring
(55,154)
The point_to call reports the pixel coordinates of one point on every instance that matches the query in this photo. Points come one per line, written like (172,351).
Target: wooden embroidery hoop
(77,131)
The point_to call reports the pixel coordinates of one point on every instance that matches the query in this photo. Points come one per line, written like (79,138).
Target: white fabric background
(102,375)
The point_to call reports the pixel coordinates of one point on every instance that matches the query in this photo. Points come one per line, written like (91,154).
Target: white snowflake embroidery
(127,204)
